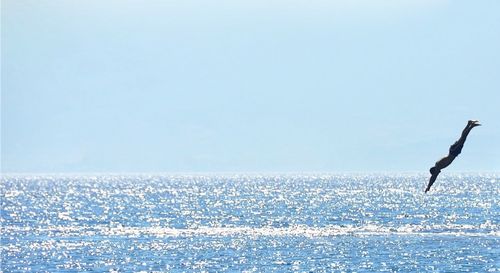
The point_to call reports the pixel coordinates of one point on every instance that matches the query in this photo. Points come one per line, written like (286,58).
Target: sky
(248,86)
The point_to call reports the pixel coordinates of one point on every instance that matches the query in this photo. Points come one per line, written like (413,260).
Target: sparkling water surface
(250,223)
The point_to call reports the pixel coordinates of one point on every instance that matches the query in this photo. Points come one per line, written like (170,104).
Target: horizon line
(228,173)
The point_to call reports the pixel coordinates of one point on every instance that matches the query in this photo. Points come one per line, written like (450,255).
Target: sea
(380,222)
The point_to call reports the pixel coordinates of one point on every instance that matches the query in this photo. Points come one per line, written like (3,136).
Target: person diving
(454,151)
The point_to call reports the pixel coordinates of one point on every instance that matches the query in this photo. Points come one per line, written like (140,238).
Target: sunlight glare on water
(251,223)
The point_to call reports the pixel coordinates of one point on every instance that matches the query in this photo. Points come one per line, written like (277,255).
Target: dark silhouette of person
(454,151)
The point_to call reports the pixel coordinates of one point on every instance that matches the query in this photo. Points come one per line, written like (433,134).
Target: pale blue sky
(271,86)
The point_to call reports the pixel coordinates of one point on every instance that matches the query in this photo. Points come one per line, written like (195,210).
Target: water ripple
(252,223)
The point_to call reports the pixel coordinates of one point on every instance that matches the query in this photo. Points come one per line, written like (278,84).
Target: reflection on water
(250,223)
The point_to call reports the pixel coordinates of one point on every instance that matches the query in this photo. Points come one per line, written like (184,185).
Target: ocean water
(250,223)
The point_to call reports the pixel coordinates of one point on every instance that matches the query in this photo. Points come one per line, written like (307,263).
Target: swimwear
(456,149)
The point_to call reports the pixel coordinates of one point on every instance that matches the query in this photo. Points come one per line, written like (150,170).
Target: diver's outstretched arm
(431,181)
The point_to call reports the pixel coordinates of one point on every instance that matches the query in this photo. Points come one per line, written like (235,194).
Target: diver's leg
(456,147)
(470,124)
(465,133)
